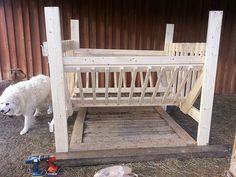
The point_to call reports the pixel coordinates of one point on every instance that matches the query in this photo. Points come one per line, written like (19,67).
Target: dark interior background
(119,24)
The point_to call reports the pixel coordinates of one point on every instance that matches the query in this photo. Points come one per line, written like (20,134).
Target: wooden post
(209,75)
(52,18)
(232,168)
(169,35)
(74,29)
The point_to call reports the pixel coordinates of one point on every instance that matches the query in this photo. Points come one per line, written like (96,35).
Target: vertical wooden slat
(28,41)
(74,30)
(10,33)
(92,24)
(80,85)
(97,80)
(141,78)
(115,79)
(120,85)
(124,79)
(132,86)
(106,85)
(19,32)
(43,38)
(159,75)
(93,85)
(169,35)
(145,85)
(4,49)
(35,36)
(87,80)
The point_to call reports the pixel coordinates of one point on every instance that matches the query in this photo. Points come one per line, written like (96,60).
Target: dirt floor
(14,148)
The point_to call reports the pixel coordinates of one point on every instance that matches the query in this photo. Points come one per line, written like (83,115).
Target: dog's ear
(17,75)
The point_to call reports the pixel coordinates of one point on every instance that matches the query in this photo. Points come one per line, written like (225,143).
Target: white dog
(24,98)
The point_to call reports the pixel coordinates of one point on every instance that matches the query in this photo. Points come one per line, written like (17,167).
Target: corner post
(232,168)
(209,76)
(169,36)
(53,31)
(74,30)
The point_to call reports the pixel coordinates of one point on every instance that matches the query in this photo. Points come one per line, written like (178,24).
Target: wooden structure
(232,169)
(114,25)
(173,76)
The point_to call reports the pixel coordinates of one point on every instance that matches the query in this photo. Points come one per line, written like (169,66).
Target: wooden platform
(126,128)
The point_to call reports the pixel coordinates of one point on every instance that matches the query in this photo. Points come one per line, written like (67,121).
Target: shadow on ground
(14,148)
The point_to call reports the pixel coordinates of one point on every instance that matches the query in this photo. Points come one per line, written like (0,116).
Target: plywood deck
(126,127)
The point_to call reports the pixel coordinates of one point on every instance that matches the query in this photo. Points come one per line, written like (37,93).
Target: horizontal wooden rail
(112,101)
(133,60)
(128,68)
(104,52)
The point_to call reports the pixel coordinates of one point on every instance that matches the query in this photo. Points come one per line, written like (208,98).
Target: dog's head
(9,105)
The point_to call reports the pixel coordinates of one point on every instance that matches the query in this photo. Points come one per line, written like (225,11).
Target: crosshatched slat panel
(171,85)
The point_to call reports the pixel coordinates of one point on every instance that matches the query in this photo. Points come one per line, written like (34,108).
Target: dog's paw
(24,131)
(51,127)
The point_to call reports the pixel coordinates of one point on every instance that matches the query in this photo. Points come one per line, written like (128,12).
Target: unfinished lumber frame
(173,76)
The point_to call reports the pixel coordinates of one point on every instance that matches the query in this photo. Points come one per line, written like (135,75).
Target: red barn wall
(123,24)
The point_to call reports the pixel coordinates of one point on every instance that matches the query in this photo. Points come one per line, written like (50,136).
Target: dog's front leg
(27,123)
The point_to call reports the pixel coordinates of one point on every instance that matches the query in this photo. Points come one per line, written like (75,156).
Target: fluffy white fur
(24,98)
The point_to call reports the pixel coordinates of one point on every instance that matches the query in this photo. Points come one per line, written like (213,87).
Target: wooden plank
(87,80)
(106,85)
(128,130)
(88,102)
(4,47)
(77,134)
(104,52)
(119,110)
(57,77)
(164,142)
(134,73)
(112,140)
(169,35)
(159,75)
(74,26)
(120,85)
(209,71)
(124,79)
(93,85)
(232,168)
(82,158)
(144,87)
(80,84)
(35,37)
(122,124)
(11,34)
(177,128)
(193,94)
(69,110)
(132,60)
(194,113)
(115,79)
(111,136)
